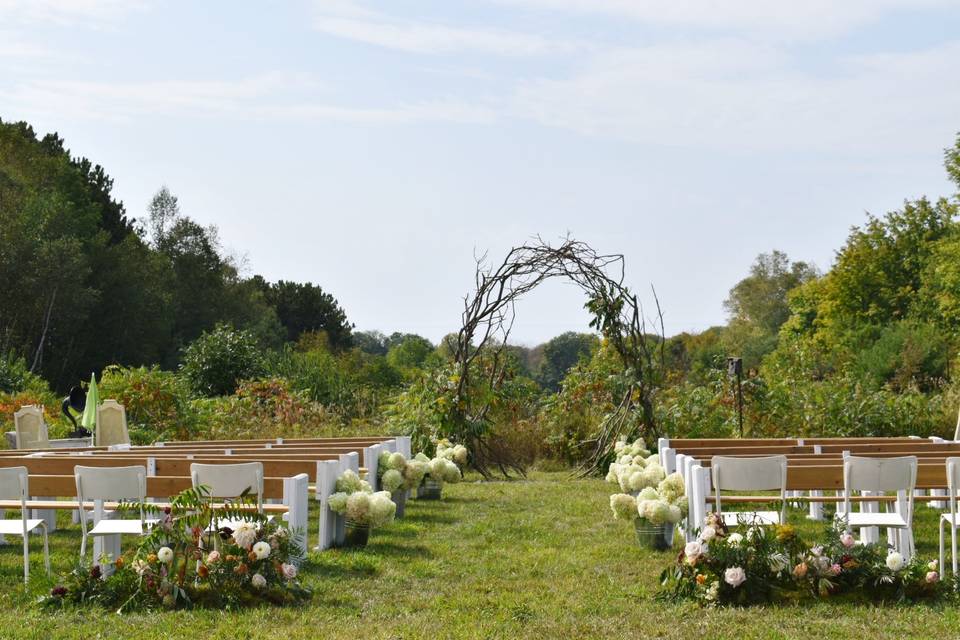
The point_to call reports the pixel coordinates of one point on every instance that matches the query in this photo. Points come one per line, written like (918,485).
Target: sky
(377,148)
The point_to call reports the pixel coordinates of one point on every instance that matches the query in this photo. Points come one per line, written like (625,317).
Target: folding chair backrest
(879,474)
(111,424)
(750,474)
(31,428)
(14,483)
(111,483)
(230,480)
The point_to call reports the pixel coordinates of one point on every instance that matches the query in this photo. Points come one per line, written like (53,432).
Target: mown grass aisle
(538,559)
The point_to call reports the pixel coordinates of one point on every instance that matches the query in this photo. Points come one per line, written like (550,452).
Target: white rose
(693,550)
(258,581)
(165,555)
(895,561)
(734,576)
(289,571)
(708,534)
(261,550)
(735,539)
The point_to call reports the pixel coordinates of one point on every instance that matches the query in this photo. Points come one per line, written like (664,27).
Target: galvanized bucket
(657,537)
(429,490)
(356,535)
(400,498)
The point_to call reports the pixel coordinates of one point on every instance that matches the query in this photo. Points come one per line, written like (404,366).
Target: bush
(216,362)
(157,402)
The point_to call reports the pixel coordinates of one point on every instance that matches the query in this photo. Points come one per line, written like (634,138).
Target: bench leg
(49,516)
(816,508)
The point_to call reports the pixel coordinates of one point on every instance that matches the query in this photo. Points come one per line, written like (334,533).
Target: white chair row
(111,428)
(860,474)
(121,484)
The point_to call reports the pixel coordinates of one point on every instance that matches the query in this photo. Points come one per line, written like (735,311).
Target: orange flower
(203,571)
(119,562)
(231,558)
(800,570)
(152,558)
(851,564)
(252,557)
(701,578)
(241,569)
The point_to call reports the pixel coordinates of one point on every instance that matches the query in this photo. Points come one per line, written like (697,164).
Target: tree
(561,353)
(758,305)
(411,352)
(303,307)
(372,342)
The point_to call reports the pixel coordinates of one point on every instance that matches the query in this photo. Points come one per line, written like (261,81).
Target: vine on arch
(488,317)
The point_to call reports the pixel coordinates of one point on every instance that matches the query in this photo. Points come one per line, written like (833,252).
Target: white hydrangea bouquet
(362,508)
(635,468)
(657,508)
(398,475)
(437,472)
(455,453)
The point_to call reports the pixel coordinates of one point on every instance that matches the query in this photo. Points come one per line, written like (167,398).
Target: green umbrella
(89,418)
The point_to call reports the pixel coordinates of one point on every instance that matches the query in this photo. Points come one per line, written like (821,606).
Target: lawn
(539,558)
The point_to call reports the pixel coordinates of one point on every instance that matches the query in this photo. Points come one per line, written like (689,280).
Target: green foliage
(157,402)
(410,353)
(218,360)
(187,560)
(561,353)
(776,566)
(305,308)
(15,376)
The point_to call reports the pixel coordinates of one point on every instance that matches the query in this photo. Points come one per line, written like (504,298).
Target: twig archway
(488,318)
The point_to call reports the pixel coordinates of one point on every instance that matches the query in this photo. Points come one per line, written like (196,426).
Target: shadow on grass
(387,549)
(429,517)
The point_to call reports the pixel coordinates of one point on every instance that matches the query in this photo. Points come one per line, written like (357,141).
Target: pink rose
(847,540)
(213,557)
(834,569)
(289,571)
(932,576)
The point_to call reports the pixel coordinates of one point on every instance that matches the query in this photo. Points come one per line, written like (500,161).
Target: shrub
(157,402)
(216,362)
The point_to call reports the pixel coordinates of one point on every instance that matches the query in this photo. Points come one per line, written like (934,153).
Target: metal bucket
(356,535)
(429,490)
(653,536)
(400,498)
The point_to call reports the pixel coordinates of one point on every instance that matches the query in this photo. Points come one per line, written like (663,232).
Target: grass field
(540,558)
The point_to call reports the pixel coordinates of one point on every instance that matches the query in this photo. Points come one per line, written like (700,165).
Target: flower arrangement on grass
(359,504)
(390,470)
(455,453)
(635,467)
(663,505)
(437,472)
(184,562)
(760,565)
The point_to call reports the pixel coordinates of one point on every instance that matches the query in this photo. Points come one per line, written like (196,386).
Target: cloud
(351,21)
(90,13)
(288,96)
(806,19)
(742,95)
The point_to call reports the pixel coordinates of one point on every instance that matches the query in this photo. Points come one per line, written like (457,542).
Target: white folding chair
(230,481)
(879,475)
(14,485)
(110,483)
(953,483)
(750,474)
(111,427)
(31,428)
